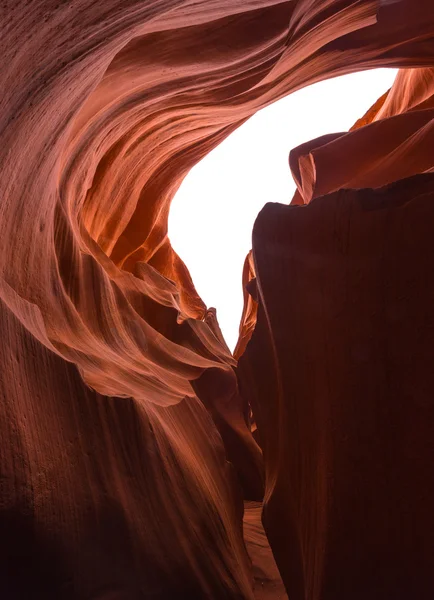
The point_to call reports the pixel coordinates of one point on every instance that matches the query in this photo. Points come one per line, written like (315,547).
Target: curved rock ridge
(130,437)
(393,143)
(142,93)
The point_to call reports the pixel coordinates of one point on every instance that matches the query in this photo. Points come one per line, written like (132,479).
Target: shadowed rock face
(130,436)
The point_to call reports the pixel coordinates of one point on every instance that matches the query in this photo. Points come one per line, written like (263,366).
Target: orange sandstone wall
(129,436)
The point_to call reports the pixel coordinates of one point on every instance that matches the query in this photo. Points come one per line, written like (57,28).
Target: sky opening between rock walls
(213,212)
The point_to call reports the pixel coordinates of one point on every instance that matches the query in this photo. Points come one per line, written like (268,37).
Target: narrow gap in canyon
(140,458)
(213,212)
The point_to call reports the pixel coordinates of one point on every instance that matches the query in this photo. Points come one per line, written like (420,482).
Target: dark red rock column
(345,398)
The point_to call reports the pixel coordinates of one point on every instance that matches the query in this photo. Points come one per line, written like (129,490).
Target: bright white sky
(213,212)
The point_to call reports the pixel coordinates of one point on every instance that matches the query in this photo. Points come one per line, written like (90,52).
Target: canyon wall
(131,438)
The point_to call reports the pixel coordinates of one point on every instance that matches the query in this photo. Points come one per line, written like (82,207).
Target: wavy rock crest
(130,436)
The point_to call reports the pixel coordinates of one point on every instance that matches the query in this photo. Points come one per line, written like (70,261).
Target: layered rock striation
(130,436)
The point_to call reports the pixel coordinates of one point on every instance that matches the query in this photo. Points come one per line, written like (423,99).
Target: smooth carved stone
(129,437)
(344,405)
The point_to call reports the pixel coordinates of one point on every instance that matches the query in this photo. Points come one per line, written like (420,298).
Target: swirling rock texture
(131,438)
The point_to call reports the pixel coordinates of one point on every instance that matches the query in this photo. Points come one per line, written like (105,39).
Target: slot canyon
(247,169)
(140,458)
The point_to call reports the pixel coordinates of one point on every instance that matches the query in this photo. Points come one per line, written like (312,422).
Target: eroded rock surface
(130,437)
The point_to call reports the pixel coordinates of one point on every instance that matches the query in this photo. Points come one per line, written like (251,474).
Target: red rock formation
(250,308)
(127,448)
(338,375)
(384,146)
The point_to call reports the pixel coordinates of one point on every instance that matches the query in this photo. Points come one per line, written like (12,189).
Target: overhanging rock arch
(124,418)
